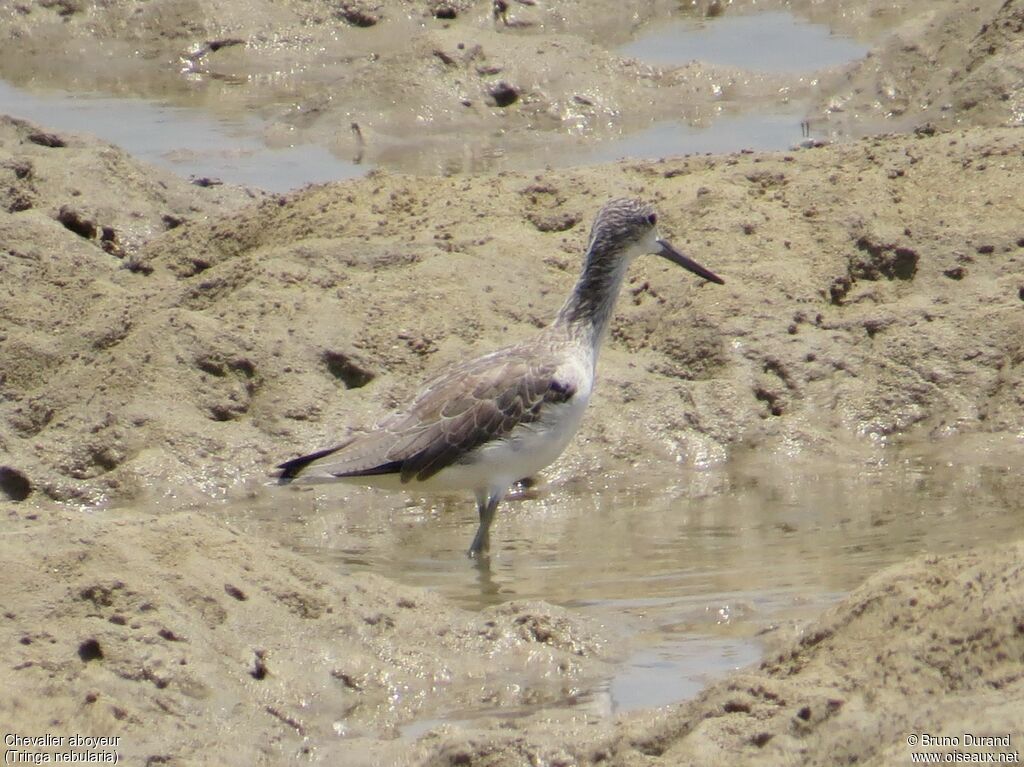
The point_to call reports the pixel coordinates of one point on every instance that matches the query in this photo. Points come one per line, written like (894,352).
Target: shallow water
(690,569)
(195,143)
(769,41)
(186,140)
(194,134)
(773,129)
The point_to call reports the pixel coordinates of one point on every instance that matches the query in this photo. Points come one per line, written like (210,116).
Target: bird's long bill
(673,255)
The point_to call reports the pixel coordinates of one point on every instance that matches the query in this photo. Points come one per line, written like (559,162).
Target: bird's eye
(652,218)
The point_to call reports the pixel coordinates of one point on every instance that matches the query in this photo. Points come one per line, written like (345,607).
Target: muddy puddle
(727,130)
(186,140)
(254,133)
(769,41)
(197,144)
(692,572)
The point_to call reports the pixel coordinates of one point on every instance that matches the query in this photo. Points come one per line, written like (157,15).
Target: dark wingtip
(291,469)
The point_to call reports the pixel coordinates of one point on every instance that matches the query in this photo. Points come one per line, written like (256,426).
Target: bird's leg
(487,504)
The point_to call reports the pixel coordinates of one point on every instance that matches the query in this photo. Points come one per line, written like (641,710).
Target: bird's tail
(290,470)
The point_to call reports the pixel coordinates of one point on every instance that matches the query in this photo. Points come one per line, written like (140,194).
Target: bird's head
(627,228)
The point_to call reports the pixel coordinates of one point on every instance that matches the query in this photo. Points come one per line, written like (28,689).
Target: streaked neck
(589,308)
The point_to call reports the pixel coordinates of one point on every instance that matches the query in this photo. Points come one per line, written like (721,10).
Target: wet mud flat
(151,622)
(274,96)
(164,342)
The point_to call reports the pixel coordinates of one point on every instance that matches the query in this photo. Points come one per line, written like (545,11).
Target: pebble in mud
(90,650)
(14,484)
(75,221)
(357,15)
(43,138)
(502,94)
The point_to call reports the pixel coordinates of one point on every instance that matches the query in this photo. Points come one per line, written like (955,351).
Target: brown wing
(469,406)
(456,412)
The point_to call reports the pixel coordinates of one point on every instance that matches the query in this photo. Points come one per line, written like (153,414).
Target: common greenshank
(484,424)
